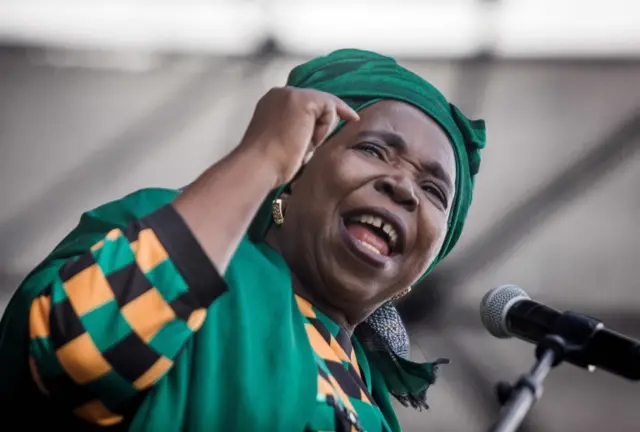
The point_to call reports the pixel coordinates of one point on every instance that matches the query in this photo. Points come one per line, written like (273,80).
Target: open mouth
(375,232)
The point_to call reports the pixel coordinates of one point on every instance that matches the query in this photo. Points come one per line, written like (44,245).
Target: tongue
(365,235)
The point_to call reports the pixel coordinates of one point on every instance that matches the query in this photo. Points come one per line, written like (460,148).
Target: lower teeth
(369,247)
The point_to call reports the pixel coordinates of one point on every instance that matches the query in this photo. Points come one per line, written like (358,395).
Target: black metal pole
(525,394)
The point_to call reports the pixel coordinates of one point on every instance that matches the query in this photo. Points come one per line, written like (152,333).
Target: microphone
(508,311)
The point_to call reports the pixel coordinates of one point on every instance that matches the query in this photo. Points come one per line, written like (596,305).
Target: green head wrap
(362,78)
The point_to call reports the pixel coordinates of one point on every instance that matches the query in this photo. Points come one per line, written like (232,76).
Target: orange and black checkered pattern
(116,317)
(340,381)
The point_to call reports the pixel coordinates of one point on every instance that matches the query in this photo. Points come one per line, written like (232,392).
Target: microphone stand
(569,337)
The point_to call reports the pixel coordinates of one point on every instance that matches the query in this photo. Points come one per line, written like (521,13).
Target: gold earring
(401,294)
(276,211)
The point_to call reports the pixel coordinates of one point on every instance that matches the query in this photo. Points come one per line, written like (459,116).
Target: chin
(355,290)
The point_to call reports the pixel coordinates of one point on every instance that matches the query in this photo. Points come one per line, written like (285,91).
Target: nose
(400,189)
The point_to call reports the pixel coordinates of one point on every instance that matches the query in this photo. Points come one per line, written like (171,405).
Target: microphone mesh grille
(495,305)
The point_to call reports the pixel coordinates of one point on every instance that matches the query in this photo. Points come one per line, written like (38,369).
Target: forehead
(424,137)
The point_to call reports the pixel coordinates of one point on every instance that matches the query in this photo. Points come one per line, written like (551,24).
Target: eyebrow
(398,143)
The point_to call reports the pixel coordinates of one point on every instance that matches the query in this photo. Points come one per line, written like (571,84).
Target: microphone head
(495,305)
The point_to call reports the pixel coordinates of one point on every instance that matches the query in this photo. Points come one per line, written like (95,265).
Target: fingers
(325,124)
(327,100)
(345,111)
(307,158)
(333,110)
(328,110)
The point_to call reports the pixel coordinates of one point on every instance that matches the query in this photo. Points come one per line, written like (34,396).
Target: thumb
(325,124)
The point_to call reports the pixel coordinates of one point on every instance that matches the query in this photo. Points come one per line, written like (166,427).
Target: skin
(358,167)
(415,183)
(286,126)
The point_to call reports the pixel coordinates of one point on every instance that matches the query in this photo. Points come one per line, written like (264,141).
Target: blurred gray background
(99,98)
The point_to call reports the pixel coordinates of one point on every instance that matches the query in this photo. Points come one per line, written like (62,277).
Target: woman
(215,308)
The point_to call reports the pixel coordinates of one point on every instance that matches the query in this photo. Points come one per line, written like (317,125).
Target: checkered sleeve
(115,318)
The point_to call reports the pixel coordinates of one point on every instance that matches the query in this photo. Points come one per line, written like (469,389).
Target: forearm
(219,206)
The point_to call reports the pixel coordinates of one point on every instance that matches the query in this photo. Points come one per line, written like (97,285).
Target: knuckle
(309,105)
(268,96)
(291,96)
(273,91)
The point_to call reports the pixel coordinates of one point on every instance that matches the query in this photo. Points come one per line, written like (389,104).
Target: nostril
(385,187)
(388,189)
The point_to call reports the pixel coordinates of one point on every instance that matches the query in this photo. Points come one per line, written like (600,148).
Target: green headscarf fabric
(362,78)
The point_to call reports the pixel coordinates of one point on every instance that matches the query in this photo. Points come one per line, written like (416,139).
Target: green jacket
(169,344)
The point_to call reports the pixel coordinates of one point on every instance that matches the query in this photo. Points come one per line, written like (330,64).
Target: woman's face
(369,212)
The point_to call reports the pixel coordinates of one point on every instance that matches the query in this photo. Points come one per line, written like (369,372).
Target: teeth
(394,238)
(369,247)
(379,223)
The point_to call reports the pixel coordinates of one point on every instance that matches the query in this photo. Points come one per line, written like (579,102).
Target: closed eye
(372,150)
(436,191)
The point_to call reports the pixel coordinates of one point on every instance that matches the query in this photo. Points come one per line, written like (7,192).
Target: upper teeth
(379,223)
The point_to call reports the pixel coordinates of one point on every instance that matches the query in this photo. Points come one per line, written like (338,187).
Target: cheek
(431,234)
(350,169)
(316,194)
(337,175)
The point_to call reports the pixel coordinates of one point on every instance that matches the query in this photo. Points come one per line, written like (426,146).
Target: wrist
(258,164)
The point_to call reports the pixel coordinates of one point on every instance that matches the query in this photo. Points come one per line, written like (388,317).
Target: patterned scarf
(385,338)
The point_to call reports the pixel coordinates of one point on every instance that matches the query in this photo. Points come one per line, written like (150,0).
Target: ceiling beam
(130,147)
